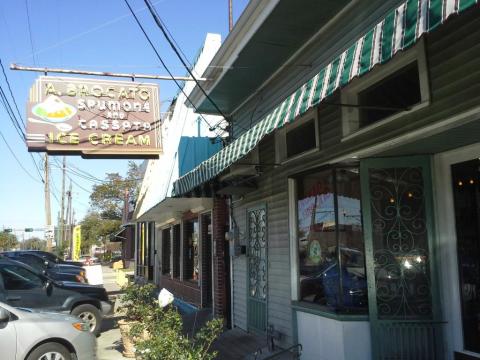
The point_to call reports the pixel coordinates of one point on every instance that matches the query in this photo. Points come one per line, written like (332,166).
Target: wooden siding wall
(272,192)
(453,57)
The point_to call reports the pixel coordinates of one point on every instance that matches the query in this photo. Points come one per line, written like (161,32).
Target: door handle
(14,298)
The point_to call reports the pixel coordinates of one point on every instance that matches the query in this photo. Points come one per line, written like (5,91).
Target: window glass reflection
(331,255)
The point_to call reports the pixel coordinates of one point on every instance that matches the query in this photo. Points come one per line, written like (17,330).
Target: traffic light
(8,230)
(28,229)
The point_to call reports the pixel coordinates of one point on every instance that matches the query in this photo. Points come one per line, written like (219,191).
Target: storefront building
(353,179)
(180,241)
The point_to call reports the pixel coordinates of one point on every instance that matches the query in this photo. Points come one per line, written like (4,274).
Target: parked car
(89,260)
(52,257)
(50,336)
(54,271)
(20,286)
(321,286)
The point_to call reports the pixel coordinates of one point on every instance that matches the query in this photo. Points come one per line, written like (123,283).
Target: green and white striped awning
(399,30)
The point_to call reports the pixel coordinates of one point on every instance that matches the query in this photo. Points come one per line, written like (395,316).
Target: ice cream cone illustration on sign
(55,112)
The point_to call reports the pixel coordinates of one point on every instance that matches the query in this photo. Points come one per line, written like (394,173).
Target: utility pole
(230,15)
(48,215)
(68,217)
(62,207)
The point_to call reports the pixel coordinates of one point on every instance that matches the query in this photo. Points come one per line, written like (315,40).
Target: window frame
(168,273)
(350,94)
(184,250)
(296,301)
(281,137)
(176,262)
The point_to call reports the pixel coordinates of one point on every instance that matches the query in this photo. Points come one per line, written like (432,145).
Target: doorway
(401,266)
(466,196)
(257,269)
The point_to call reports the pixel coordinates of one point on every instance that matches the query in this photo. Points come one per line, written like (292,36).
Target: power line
(30,33)
(156,17)
(17,126)
(69,170)
(11,92)
(16,159)
(11,115)
(163,63)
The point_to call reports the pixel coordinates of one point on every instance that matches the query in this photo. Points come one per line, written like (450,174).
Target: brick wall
(184,290)
(219,227)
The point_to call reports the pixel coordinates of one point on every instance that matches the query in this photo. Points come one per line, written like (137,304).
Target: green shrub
(157,332)
(138,301)
(166,340)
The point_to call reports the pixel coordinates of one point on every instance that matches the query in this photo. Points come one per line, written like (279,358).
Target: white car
(33,335)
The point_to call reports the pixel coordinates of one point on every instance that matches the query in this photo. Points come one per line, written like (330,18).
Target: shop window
(190,251)
(387,92)
(166,251)
(330,241)
(398,92)
(466,191)
(298,139)
(176,251)
(301,139)
(142,249)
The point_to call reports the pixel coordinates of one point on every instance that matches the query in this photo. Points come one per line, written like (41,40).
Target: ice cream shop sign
(94,118)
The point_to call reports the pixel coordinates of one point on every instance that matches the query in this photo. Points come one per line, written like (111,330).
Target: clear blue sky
(93,35)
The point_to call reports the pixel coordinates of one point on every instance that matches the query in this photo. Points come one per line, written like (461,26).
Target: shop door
(401,271)
(466,194)
(257,269)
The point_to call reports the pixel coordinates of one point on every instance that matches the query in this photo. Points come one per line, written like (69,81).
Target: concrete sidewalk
(109,344)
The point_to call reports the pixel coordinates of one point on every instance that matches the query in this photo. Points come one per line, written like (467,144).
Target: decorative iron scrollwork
(400,243)
(257,253)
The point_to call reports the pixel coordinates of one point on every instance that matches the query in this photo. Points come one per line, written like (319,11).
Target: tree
(95,229)
(108,198)
(8,241)
(35,243)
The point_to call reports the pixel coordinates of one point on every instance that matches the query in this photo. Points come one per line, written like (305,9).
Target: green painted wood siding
(273,193)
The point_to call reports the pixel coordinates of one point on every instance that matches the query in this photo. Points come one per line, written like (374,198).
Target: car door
(8,338)
(22,287)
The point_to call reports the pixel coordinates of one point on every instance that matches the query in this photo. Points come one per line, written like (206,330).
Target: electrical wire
(79,186)
(11,115)
(16,159)
(30,33)
(156,17)
(11,92)
(17,126)
(163,63)
(70,171)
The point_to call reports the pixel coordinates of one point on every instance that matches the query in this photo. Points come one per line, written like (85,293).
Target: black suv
(52,270)
(50,257)
(21,286)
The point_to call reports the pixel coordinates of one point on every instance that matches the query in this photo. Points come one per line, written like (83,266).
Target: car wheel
(91,315)
(49,351)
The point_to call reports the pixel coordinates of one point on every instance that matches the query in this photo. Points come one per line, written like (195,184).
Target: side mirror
(49,287)
(4,315)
